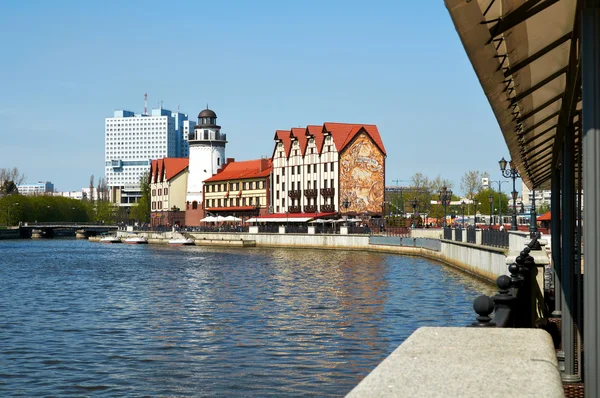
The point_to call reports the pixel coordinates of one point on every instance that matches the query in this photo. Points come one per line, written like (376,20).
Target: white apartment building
(542,197)
(38,188)
(132,141)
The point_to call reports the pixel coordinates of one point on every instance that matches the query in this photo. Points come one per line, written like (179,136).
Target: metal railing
(458,233)
(471,235)
(448,233)
(493,237)
(515,303)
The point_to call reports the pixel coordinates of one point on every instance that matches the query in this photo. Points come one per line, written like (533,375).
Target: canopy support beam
(591,193)
(520,65)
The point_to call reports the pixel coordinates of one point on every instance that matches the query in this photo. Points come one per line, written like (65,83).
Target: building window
(308,169)
(244,201)
(314,168)
(283,186)
(277,195)
(308,185)
(325,184)
(207,202)
(218,161)
(282,202)
(194,205)
(277,179)
(293,183)
(154,192)
(332,183)
(159,204)
(257,201)
(154,205)
(218,202)
(237,201)
(325,167)
(332,167)
(159,192)
(166,191)
(293,170)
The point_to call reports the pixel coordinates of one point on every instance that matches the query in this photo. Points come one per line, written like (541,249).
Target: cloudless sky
(260,65)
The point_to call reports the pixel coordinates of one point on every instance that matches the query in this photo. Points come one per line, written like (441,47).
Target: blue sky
(261,66)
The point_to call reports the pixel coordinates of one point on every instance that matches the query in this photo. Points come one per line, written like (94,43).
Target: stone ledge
(467,362)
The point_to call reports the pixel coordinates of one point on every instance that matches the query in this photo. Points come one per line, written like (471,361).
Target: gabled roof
(300,134)
(316,132)
(166,168)
(284,137)
(243,170)
(344,133)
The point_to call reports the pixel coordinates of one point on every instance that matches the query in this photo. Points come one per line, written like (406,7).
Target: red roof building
(333,168)
(168,186)
(239,189)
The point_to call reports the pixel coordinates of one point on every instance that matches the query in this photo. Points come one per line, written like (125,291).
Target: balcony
(294,209)
(327,208)
(295,193)
(327,192)
(310,193)
(310,209)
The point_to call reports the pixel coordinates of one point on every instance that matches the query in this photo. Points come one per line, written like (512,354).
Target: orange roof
(284,136)
(243,170)
(166,168)
(300,134)
(344,133)
(545,217)
(316,132)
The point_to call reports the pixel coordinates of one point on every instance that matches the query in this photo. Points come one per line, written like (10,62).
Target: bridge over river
(81,230)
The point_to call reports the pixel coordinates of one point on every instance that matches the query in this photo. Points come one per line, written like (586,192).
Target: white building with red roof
(328,169)
(168,181)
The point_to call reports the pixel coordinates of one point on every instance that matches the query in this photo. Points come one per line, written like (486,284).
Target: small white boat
(136,240)
(181,242)
(110,239)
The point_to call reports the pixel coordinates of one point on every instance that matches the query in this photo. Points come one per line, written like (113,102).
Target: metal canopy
(525,54)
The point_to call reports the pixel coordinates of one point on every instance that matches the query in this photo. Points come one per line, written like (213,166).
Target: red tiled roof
(166,168)
(300,134)
(545,217)
(242,170)
(343,133)
(284,136)
(317,133)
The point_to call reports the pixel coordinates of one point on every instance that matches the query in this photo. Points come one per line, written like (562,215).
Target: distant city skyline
(261,67)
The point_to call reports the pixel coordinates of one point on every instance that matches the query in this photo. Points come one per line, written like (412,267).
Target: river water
(81,318)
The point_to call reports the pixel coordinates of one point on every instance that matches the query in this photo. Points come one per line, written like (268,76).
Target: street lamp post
(475,216)
(533,217)
(462,205)
(499,199)
(414,203)
(445,198)
(491,200)
(514,174)
(346,204)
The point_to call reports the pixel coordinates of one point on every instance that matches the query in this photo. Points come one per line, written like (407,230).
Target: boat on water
(181,242)
(110,239)
(136,240)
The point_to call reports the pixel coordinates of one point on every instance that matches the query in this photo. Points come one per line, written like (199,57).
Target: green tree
(8,187)
(484,207)
(141,210)
(542,209)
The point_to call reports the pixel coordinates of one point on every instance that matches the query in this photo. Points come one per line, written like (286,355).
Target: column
(591,194)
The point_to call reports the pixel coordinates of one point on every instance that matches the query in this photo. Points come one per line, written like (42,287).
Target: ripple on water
(87,319)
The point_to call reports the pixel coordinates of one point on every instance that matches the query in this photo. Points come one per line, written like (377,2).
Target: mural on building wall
(362,176)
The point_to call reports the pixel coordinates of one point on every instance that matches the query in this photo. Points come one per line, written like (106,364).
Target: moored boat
(136,240)
(181,242)
(110,239)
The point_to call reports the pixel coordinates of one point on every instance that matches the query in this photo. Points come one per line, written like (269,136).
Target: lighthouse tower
(207,155)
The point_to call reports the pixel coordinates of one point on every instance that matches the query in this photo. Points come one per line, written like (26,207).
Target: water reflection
(84,318)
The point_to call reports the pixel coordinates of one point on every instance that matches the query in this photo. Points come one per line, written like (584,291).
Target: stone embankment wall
(9,234)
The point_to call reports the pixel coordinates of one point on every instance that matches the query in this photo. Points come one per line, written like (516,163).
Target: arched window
(194,205)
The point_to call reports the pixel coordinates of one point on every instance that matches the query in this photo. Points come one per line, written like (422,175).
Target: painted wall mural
(362,167)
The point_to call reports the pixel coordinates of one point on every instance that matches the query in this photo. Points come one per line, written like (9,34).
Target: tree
(484,204)
(470,184)
(141,210)
(92,189)
(543,208)
(13,175)
(8,187)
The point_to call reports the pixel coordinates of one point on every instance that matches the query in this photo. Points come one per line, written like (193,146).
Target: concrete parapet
(467,362)
(431,233)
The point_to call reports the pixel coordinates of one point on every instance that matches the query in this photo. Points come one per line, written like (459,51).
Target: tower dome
(207,118)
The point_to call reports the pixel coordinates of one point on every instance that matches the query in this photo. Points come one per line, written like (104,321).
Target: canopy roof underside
(526,56)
